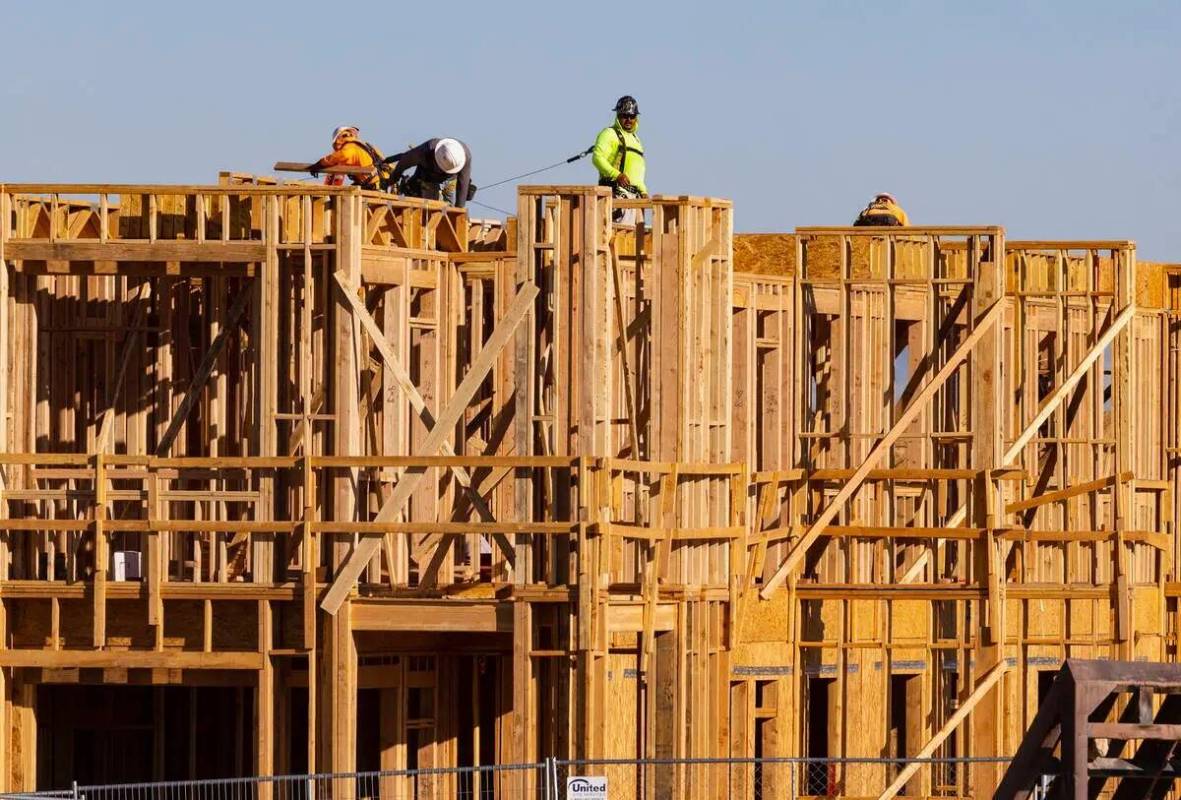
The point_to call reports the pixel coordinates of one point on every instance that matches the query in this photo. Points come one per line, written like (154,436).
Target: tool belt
(625,192)
(414,186)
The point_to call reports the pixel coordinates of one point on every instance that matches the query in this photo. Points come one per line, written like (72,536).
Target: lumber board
(299,166)
(1067,493)
(139,251)
(129,659)
(446,616)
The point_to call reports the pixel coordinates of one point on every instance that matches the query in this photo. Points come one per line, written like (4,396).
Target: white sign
(585,788)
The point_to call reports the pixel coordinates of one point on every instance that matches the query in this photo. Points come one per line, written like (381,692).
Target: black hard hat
(627,106)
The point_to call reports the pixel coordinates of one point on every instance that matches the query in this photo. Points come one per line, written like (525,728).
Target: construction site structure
(300,478)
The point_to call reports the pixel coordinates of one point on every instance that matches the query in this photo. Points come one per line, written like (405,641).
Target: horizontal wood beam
(130,659)
(444,616)
(1133,730)
(117,250)
(1067,493)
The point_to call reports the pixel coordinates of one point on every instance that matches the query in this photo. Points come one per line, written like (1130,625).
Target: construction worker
(435,162)
(619,154)
(882,211)
(349,151)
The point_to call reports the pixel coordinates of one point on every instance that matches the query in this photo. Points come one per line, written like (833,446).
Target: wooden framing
(628,499)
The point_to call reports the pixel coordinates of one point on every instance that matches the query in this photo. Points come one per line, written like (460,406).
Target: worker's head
(450,156)
(884,197)
(627,111)
(344,134)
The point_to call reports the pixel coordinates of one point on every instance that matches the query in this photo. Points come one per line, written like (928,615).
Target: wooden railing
(202,217)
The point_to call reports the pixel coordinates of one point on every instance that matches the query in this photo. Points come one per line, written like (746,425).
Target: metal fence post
(551,778)
(74,787)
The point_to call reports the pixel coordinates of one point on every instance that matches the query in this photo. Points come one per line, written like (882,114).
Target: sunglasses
(627,116)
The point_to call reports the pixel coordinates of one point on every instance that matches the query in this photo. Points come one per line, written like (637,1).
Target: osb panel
(1013,688)
(1045,618)
(867,693)
(903,658)
(865,618)
(823,257)
(1148,622)
(127,624)
(1089,619)
(1014,622)
(1151,285)
(77,622)
(761,654)
(235,625)
(910,620)
(822,620)
(28,622)
(184,623)
(622,688)
(1080,622)
(765,253)
(764,620)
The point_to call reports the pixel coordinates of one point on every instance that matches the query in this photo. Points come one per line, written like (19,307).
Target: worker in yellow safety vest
(349,151)
(883,210)
(618,154)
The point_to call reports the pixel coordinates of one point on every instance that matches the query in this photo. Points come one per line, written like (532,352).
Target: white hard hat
(450,156)
(885,196)
(342,128)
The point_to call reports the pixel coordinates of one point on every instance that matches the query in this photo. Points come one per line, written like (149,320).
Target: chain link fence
(556,779)
(778,778)
(525,781)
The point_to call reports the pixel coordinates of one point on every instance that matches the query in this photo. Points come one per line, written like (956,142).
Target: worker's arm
(337,158)
(603,157)
(463,180)
(414,157)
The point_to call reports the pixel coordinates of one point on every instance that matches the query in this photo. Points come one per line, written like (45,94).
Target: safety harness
(383,171)
(624,149)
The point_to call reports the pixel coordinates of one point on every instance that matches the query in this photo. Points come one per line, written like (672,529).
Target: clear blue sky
(971,113)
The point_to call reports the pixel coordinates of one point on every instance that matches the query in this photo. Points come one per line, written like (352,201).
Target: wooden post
(340,656)
(1124,395)
(529,209)
(523,698)
(987,418)
(264,702)
(101,554)
(6,783)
